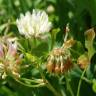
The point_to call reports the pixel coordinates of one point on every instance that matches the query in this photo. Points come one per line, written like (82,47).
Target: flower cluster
(9,59)
(59,61)
(34,25)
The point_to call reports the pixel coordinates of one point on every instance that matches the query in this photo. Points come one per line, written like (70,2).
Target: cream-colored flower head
(34,25)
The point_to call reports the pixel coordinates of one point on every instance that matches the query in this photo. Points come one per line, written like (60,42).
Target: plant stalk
(80,81)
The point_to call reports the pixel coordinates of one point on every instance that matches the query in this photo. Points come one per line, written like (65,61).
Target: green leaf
(2,27)
(52,1)
(6,91)
(41,49)
(31,57)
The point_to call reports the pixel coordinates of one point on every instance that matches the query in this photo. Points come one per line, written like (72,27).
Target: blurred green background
(80,14)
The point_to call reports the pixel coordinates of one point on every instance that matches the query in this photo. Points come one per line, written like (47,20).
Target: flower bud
(83,61)
(90,34)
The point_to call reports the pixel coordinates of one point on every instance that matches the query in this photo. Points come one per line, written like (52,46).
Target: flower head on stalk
(9,58)
(34,25)
(59,60)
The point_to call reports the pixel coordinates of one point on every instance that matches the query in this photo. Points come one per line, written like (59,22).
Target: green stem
(34,42)
(51,88)
(66,36)
(33,80)
(33,86)
(48,85)
(86,80)
(30,44)
(80,81)
(69,87)
(52,43)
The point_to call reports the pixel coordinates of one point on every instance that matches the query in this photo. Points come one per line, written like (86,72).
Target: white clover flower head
(35,24)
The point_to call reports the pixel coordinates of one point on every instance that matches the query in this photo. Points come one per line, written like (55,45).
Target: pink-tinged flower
(9,58)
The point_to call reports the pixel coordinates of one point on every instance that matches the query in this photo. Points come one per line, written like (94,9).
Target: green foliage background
(80,14)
